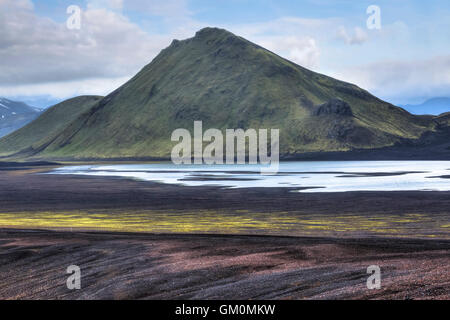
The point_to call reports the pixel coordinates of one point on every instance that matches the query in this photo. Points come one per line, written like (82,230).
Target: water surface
(313,176)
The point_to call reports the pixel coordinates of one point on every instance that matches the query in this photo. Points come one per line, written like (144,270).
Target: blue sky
(406,61)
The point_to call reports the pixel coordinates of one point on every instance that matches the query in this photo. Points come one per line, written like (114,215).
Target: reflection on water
(314,176)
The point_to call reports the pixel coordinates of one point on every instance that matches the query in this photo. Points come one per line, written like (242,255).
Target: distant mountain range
(435,106)
(14,115)
(229,82)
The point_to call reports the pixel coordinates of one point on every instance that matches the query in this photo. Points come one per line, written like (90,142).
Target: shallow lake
(313,176)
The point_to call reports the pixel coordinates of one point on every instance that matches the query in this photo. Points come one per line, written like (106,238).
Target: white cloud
(395,80)
(359,36)
(302,50)
(62,90)
(293,38)
(290,25)
(10,4)
(166,8)
(36,50)
(105,4)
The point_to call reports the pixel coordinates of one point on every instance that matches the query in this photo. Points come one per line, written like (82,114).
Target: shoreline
(50,201)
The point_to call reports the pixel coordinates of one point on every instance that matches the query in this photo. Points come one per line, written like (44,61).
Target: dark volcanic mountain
(227,82)
(14,115)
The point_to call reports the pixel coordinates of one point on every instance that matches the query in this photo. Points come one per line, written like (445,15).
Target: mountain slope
(14,115)
(33,137)
(435,106)
(227,82)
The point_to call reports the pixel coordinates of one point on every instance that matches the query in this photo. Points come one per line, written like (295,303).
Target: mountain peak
(212,32)
(218,36)
(211,40)
(208,35)
(16,107)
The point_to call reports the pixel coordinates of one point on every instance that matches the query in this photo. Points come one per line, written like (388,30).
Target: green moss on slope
(33,137)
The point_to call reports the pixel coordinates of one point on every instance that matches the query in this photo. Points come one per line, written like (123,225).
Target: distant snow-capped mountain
(15,114)
(434,106)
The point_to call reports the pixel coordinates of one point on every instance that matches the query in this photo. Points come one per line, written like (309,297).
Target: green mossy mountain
(40,133)
(227,82)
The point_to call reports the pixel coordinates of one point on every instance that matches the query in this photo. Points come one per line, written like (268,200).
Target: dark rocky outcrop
(334,106)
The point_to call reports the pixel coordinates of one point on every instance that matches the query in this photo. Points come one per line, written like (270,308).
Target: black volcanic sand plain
(142,266)
(405,233)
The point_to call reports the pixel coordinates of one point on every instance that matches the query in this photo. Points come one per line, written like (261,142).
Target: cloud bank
(396,79)
(39,56)
(36,52)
